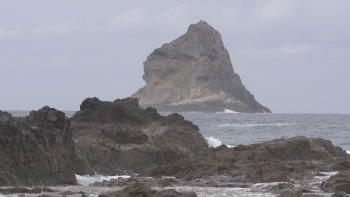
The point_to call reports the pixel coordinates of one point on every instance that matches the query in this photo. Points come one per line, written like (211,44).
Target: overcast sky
(293,56)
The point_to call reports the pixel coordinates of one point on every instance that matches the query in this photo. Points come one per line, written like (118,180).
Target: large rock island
(194,73)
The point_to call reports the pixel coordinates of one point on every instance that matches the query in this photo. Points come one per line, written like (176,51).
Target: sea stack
(194,73)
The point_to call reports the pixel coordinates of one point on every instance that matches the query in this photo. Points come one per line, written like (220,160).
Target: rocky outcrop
(37,149)
(338,183)
(194,73)
(118,137)
(281,160)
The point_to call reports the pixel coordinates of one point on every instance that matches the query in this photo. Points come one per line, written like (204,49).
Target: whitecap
(214,142)
(228,111)
(88,179)
(229,146)
(348,151)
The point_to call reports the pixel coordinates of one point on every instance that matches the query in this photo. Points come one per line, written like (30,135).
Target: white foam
(279,124)
(228,111)
(229,146)
(214,142)
(348,151)
(87,179)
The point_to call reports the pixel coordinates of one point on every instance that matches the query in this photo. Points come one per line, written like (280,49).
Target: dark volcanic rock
(114,137)
(194,73)
(291,193)
(142,190)
(120,111)
(37,149)
(273,161)
(13,190)
(339,194)
(338,183)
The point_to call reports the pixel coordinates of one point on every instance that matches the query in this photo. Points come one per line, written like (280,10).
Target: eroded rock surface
(119,137)
(140,189)
(36,149)
(281,160)
(194,73)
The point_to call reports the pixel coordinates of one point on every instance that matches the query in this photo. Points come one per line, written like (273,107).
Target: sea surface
(232,129)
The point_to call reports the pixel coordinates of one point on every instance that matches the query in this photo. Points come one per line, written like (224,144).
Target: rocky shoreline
(46,149)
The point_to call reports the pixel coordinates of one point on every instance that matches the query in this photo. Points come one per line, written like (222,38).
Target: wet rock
(46,189)
(17,190)
(194,73)
(121,138)
(148,181)
(64,182)
(67,193)
(339,194)
(338,183)
(140,189)
(291,193)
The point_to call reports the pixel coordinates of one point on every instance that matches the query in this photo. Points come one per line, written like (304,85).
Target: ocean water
(234,129)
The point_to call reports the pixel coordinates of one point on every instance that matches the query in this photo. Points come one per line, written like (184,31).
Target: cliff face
(37,149)
(194,73)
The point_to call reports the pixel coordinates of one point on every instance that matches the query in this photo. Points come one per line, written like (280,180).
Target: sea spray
(228,111)
(214,142)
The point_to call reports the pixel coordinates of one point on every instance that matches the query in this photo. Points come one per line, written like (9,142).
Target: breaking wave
(87,179)
(214,142)
(256,125)
(348,151)
(228,111)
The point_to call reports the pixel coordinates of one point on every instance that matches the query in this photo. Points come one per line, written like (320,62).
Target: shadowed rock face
(114,137)
(194,73)
(37,149)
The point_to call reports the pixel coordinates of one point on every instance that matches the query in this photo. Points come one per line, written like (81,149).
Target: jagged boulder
(36,149)
(194,73)
(114,137)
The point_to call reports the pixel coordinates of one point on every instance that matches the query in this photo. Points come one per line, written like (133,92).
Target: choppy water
(241,128)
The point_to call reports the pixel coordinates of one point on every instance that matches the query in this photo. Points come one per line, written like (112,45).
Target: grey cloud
(292,55)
